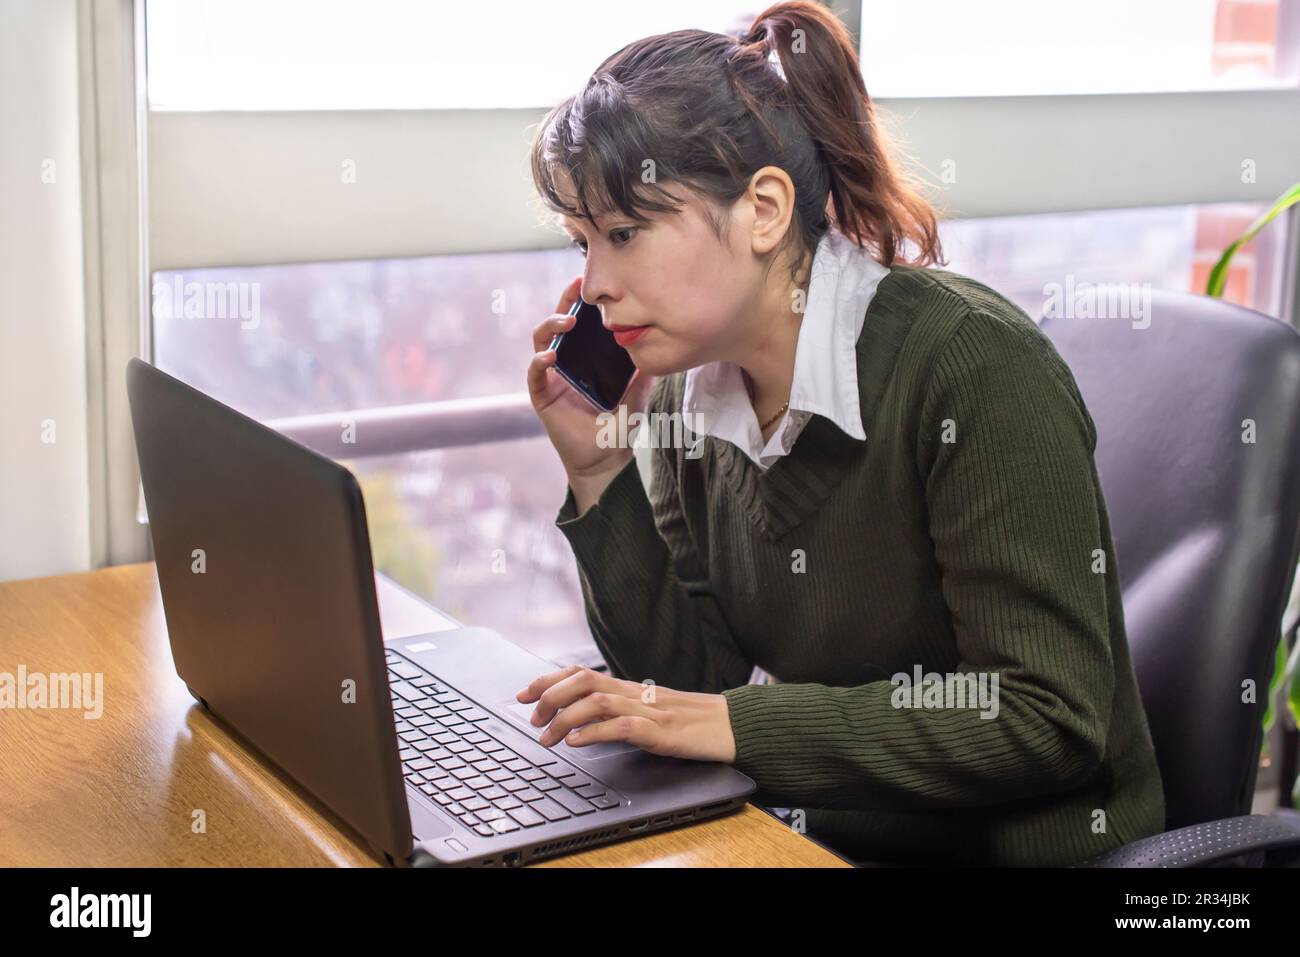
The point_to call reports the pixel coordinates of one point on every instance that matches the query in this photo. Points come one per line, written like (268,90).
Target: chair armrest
(1206,844)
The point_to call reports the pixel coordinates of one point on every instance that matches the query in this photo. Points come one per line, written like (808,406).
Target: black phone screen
(595,364)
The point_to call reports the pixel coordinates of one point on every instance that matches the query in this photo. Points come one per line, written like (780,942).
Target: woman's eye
(618,237)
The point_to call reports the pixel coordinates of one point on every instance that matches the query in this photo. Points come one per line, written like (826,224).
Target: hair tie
(774,59)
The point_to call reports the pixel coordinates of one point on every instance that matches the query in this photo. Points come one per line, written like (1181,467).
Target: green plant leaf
(1274,683)
(1292,678)
(1219,274)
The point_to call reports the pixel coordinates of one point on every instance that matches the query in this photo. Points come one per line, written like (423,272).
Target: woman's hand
(570,421)
(583,707)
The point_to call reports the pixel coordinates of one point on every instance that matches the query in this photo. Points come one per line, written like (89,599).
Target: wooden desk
(121,790)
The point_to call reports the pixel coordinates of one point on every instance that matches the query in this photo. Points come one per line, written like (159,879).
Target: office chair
(1204,510)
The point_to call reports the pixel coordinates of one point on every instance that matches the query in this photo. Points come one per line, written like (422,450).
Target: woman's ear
(771,191)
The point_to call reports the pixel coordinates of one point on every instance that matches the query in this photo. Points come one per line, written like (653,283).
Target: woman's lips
(626,335)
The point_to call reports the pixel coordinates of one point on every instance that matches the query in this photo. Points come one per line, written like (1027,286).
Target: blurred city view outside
(255,55)
(471,529)
(1102,46)
(1170,247)
(342,336)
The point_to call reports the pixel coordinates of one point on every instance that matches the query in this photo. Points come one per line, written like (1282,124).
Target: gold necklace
(775,417)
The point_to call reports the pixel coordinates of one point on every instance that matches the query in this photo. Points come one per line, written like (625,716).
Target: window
(397,54)
(1170,247)
(471,528)
(1015,47)
(337,336)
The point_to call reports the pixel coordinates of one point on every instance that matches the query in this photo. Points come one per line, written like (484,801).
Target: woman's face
(697,295)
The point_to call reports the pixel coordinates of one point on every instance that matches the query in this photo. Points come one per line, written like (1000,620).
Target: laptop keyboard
(491,788)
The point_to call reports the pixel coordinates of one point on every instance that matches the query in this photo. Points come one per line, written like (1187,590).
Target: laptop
(419,744)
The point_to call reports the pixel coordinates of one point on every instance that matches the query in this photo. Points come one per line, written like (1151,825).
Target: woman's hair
(707,111)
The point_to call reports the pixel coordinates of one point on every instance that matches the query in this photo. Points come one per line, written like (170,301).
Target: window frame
(238,173)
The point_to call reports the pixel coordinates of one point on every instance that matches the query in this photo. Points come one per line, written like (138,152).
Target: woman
(894,509)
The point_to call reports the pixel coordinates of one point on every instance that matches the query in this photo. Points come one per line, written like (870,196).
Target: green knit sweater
(966,536)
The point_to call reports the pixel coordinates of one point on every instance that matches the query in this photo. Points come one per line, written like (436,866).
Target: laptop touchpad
(522,715)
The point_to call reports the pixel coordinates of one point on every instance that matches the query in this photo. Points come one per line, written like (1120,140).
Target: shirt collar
(841,284)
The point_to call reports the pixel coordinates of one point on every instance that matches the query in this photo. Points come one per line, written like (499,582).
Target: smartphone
(591,360)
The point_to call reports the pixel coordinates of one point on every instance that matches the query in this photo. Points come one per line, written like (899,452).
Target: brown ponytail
(874,203)
(707,111)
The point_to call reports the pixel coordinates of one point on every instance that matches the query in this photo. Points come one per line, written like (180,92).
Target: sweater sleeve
(651,607)
(1004,450)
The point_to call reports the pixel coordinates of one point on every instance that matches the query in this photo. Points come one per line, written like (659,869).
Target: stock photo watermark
(656,430)
(969,689)
(1080,299)
(129,911)
(55,691)
(194,299)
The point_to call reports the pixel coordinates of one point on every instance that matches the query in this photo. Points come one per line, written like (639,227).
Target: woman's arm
(1016,516)
(651,608)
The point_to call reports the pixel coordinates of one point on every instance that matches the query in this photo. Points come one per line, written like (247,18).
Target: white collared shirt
(841,285)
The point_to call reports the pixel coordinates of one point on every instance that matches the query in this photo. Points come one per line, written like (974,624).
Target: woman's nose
(598,286)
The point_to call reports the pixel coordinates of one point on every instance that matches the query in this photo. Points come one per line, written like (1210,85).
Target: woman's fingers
(542,682)
(564,692)
(645,733)
(564,688)
(560,320)
(570,294)
(548,328)
(598,706)
(537,378)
